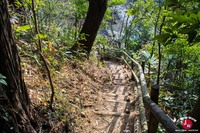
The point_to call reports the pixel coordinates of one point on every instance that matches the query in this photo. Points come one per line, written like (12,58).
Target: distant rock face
(129,1)
(115,29)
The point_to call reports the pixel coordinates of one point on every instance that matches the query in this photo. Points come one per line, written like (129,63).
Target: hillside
(76,88)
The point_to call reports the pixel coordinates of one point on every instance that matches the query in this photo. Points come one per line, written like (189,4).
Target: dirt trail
(115,110)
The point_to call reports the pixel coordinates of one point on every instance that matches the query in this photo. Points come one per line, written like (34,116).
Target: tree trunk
(196,115)
(91,25)
(14,99)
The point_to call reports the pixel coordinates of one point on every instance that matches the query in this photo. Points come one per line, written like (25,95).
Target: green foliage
(183,19)
(40,36)
(23,28)
(143,15)
(59,24)
(177,30)
(101,40)
(38,3)
(180,56)
(108,14)
(116,2)
(2,79)
(165,38)
(171,3)
(147,56)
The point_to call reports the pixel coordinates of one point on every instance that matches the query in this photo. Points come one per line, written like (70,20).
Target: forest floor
(89,98)
(115,110)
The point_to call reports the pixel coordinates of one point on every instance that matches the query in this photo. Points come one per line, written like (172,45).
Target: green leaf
(170,3)
(198,15)
(19,4)
(132,11)
(188,29)
(2,77)
(185,30)
(116,2)
(179,11)
(41,36)
(169,30)
(23,28)
(162,38)
(137,20)
(2,81)
(177,25)
(168,13)
(146,54)
(5,118)
(194,16)
(197,39)
(184,18)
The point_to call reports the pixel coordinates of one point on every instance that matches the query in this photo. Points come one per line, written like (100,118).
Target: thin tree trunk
(126,33)
(152,51)
(159,53)
(111,26)
(42,57)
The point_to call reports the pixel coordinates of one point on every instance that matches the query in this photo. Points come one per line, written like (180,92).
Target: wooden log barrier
(153,122)
(165,121)
(156,111)
(143,66)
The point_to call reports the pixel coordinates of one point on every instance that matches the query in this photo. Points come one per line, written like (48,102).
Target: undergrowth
(76,85)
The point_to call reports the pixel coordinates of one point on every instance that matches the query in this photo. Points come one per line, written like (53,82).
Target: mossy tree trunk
(14,99)
(95,14)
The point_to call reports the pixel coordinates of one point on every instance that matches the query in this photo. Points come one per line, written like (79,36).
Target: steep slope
(76,89)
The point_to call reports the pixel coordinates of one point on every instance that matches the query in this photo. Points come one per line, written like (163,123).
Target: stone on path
(116,111)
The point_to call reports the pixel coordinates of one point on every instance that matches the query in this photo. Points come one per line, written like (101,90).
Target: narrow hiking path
(116,108)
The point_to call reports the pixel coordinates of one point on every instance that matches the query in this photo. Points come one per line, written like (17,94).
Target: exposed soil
(88,99)
(114,111)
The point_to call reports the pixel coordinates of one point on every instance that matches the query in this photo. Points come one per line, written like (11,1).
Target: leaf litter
(77,86)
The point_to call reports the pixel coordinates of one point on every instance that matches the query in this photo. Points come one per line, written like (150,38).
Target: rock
(83,115)
(128,99)
(127,111)
(126,131)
